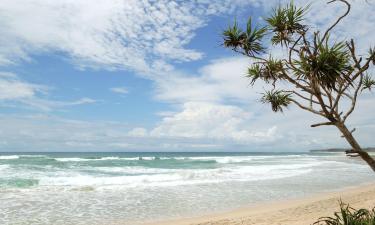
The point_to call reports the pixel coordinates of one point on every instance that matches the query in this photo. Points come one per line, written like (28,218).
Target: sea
(132,188)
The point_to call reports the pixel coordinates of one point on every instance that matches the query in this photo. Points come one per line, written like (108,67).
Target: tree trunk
(356,147)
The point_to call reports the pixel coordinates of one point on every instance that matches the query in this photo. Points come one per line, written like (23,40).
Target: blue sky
(126,75)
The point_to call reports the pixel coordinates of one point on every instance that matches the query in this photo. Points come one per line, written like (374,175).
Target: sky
(149,75)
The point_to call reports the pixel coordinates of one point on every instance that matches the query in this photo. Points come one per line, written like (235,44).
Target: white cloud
(138,132)
(220,80)
(213,121)
(49,105)
(130,34)
(12,88)
(215,108)
(196,126)
(46,133)
(15,90)
(119,90)
(200,120)
(218,105)
(359,24)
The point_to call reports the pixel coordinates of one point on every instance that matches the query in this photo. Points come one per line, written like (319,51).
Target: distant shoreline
(301,211)
(372,149)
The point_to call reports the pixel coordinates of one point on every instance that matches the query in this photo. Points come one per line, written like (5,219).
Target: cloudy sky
(151,75)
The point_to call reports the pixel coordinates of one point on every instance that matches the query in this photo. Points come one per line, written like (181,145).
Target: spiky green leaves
(328,68)
(368,82)
(233,36)
(247,42)
(349,216)
(272,70)
(277,98)
(285,21)
(269,71)
(254,72)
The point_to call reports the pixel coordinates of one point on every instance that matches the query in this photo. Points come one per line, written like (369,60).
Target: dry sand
(290,212)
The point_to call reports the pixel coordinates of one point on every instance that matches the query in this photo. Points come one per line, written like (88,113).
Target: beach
(302,211)
(137,188)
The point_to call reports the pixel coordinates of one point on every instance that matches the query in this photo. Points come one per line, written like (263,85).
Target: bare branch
(359,73)
(307,108)
(338,20)
(298,85)
(328,95)
(305,98)
(318,95)
(354,100)
(353,155)
(322,124)
(248,55)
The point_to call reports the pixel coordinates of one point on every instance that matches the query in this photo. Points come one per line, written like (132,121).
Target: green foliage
(328,67)
(367,82)
(247,42)
(254,72)
(349,216)
(252,45)
(273,69)
(285,21)
(314,64)
(269,71)
(233,36)
(277,98)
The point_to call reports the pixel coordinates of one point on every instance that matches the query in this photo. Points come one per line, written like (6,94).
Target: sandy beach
(303,211)
(179,188)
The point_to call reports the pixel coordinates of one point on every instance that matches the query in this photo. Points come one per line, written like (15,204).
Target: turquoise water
(105,188)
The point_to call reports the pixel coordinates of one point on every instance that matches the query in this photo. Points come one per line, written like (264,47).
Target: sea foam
(5,157)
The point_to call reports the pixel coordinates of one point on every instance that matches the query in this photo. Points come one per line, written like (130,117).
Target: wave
(131,177)
(3,167)
(18,182)
(159,180)
(164,171)
(217,159)
(236,159)
(6,157)
(85,159)
(74,159)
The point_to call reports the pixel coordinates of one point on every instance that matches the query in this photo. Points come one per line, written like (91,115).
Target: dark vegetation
(349,216)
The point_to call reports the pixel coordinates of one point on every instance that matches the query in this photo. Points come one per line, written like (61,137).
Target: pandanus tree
(317,74)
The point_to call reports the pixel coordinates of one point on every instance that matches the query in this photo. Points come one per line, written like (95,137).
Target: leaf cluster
(367,82)
(314,64)
(269,71)
(277,98)
(328,67)
(285,21)
(247,42)
(349,216)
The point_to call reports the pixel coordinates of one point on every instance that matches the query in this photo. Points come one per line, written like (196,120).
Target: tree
(317,74)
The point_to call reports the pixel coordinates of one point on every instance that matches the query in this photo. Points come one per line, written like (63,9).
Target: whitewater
(129,188)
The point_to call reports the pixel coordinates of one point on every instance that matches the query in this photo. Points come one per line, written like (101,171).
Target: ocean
(130,188)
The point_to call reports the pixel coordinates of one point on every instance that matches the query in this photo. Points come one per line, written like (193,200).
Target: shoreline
(297,211)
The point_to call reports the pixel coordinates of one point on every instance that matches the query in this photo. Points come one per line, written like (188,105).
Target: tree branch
(322,124)
(305,98)
(307,108)
(338,20)
(354,100)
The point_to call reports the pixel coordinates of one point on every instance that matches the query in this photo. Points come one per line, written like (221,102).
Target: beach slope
(291,212)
